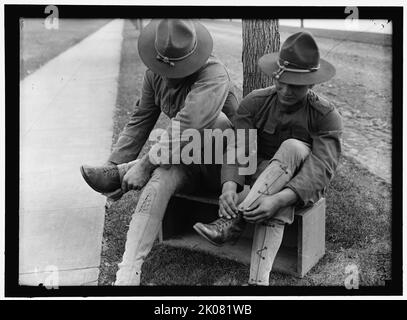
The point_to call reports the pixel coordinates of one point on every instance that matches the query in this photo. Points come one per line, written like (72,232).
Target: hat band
(283,68)
(170,61)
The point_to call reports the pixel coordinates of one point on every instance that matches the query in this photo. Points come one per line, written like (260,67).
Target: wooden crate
(302,247)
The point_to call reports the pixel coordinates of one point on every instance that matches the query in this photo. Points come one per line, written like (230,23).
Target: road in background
(361,89)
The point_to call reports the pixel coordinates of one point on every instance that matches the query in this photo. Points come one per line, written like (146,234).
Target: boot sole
(204,236)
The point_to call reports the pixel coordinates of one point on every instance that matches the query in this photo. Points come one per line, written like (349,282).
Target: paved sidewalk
(66,119)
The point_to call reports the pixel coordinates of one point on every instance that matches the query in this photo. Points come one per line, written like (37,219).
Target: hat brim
(268,64)
(182,68)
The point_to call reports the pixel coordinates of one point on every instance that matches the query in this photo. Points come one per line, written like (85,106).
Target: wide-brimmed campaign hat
(298,62)
(174,48)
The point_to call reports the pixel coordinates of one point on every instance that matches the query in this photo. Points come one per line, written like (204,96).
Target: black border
(12,13)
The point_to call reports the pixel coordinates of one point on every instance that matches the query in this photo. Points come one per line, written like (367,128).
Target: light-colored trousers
(165,182)
(270,178)
(148,215)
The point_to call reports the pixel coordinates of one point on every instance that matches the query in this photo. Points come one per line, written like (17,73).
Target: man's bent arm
(203,105)
(318,169)
(137,130)
(287,197)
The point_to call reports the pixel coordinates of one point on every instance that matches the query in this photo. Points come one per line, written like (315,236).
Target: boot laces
(222,223)
(109,171)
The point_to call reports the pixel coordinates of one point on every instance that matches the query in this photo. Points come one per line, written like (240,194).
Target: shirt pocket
(284,134)
(269,141)
(176,103)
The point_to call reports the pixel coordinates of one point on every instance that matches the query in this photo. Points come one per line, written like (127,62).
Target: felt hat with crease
(298,62)
(174,48)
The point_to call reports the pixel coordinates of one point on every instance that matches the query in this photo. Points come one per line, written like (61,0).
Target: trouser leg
(146,221)
(268,235)
(210,173)
(266,242)
(274,177)
(281,168)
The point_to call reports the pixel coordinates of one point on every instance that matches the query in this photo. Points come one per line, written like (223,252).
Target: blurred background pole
(259,37)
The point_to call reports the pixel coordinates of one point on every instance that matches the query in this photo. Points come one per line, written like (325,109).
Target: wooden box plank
(311,236)
(303,242)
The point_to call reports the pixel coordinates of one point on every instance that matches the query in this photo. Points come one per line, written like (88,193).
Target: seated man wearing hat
(298,149)
(191,87)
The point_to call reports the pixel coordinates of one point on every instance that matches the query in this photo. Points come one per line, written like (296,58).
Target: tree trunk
(259,37)
(138,24)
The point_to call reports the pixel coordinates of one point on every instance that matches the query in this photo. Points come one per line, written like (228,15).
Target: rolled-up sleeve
(319,167)
(137,130)
(202,107)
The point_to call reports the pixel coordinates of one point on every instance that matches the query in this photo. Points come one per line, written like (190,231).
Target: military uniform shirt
(195,103)
(313,120)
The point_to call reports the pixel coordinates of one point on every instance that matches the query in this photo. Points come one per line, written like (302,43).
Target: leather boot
(221,230)
(103,179)
(112,197)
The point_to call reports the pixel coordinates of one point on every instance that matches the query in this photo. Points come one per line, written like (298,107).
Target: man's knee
(295,148)
(222,122)
(165,179)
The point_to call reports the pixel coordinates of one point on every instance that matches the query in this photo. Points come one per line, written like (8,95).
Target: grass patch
(38,45)
(118,216)
(357,226)
(359,207)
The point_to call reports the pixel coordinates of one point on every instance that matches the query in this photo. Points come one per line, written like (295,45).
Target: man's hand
(262,209)
(266,207)
(138,175)
(228,200)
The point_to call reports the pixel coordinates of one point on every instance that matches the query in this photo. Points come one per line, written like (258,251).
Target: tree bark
(259,37)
